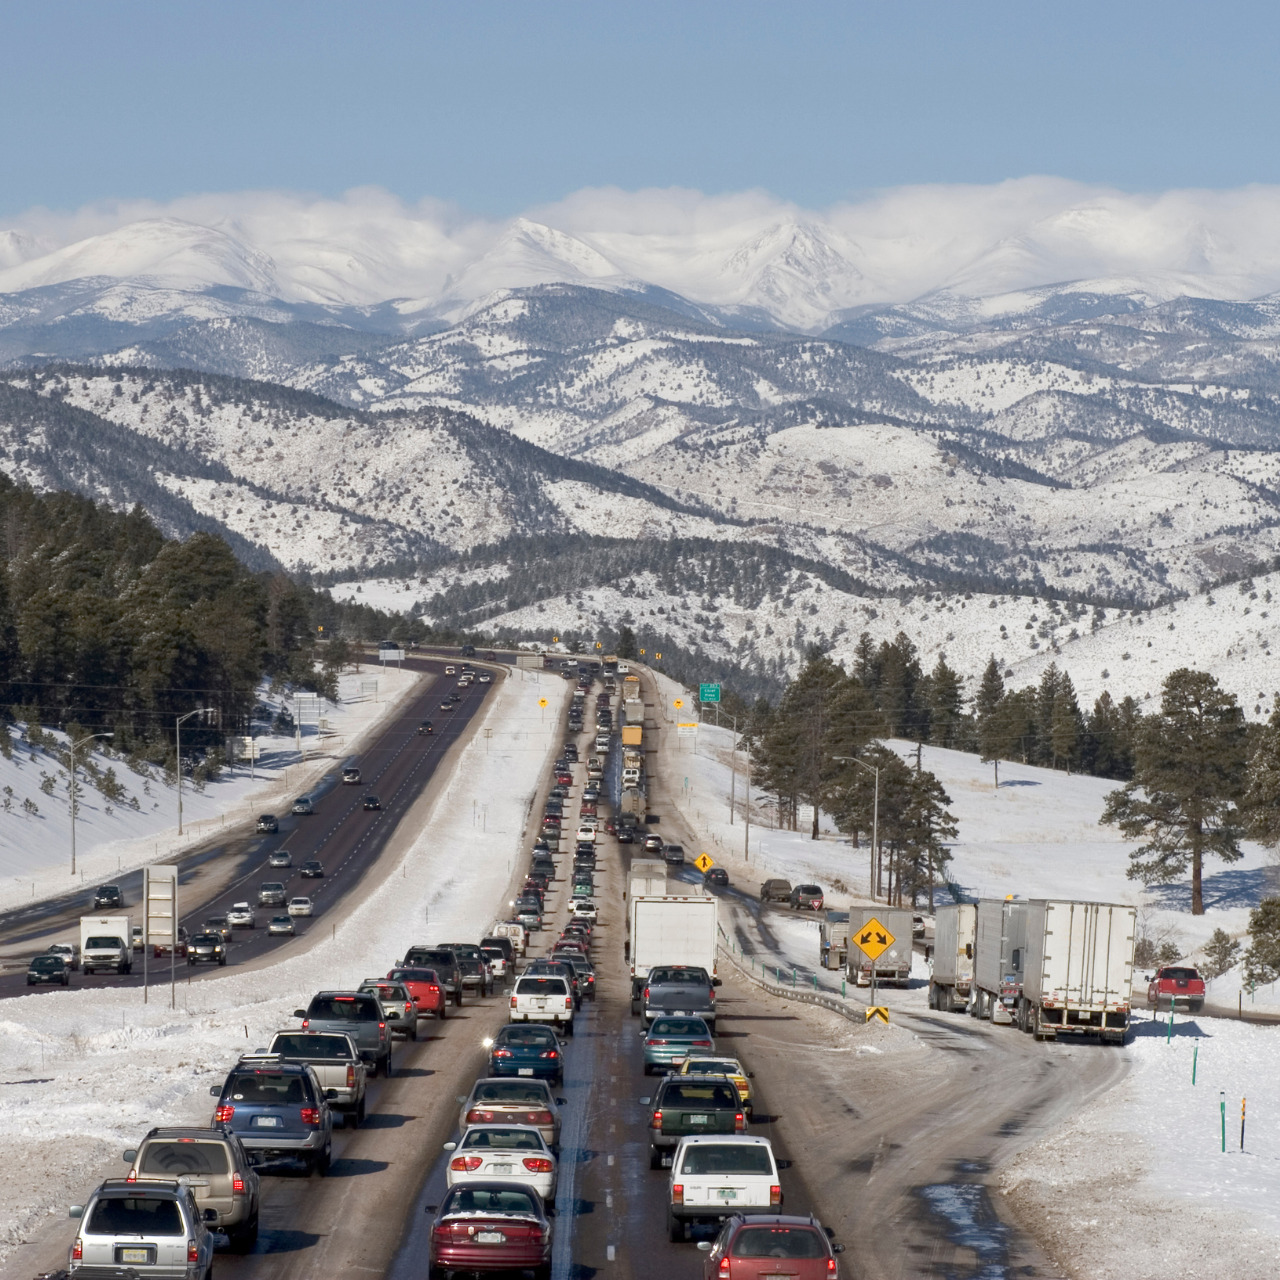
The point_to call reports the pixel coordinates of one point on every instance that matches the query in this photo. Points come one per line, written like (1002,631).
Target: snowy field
(86,1072)
(35,848)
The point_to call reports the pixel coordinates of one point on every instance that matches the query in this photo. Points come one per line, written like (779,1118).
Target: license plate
(490,1237)
(135,1255)
(727,1193)
(524,1071)
(267,1122)
(503,1168)
(541,1004)
(697,1119)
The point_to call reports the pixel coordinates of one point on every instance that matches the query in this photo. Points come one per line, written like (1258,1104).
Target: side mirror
(717,982)
(562,1102)
(330,1094)
(260,1050)
(215,1091)
(299,1013)
(751,1075)
(784,1164)
(451,1146)
(645,1102)
(837,1248)
(461,1098)
(76,1211)
(210,1215)
(704,1245)
(129,1157)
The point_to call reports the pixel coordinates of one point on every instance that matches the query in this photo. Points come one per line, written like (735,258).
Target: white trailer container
(1000,953)
(1079,969)
(954,947)
(670,930)
(893,965)
(647,878)
(106,942)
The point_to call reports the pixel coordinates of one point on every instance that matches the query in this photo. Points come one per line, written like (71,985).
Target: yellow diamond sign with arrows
(704,862)
(874,939)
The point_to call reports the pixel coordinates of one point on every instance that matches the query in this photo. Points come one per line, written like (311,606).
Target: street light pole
(199,711)
(72,796)
(875,820)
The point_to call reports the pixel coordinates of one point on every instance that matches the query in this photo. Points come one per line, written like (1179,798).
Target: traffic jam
(188,1193)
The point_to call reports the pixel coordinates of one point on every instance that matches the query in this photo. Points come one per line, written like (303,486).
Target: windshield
(503,1139)
(527,1034)
(173,1159)
(103,942)
(312,1048)
(344,1009)
(48,964)
(541,987)
(680,1027)
(268,1088)
(726,1158)
(679,978)
(1180,975)
(700,1095)
(489,1200)
(779,1242)
(415,975)
(519,1092)
(135,1216)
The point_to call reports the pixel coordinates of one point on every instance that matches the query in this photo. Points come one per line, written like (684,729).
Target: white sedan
(584,909)
(586,835)
(512,1152)
(301,906)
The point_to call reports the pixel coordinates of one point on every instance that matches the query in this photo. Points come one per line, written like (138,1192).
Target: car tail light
(466,1164)
(568,1001)
(739,1122)
(444,1231)
(224,1113)
(77,1250)
(310,1116)
(677,1193)
(475,1116)
(646,993)
(775,1194)
(193,1251)
(306,1022)
(831,1266)
(541,1117)
(724,1265)
(435,991)
(550,1053)
(133,1176)
(657,1042)
(537,1164)
(656,1122)
(408,1006)
(513,1002)
(505,1053)
(702,1044)
(351,1075)
(382,1026)
(237,1185)
(711,993)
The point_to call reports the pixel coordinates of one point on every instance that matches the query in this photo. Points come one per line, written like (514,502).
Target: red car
(491,1226)
(564,778)
(425,986)
(769,1245)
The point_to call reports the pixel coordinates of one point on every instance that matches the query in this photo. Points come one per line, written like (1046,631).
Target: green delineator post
(1169,1037)
(1222,1107)
(1194,1056)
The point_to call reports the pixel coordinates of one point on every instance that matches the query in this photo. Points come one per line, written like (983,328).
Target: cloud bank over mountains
(750,250)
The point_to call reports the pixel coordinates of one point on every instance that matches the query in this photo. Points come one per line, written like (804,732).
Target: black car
(268,823)
(626,835)
(207,948)
(107,895)
(468,651)
(311,870)
(52,970)
(425,728)
(371,803)
(716,877)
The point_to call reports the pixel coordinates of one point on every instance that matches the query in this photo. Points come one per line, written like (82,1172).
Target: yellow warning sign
(678,703)
(542,702)
(874,939)
(878,1011)
(704,862)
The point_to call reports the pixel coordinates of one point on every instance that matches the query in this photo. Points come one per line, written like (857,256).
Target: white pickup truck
(713,1176)
(338,1066)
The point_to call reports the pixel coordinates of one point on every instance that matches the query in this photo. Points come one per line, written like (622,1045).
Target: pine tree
(1262,959)
(1188,773)
(946,705)
(1220,953)
(627,650)
(1064,728)
(1261,802)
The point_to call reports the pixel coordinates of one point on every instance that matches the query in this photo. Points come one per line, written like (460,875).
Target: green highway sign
(708,693)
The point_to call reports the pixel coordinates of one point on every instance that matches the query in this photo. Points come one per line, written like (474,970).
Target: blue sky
(499,106)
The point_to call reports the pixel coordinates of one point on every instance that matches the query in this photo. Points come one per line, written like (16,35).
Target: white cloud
(744,247)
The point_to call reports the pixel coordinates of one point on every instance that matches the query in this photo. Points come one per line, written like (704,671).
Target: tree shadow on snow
(1158,1028)
(1230,887)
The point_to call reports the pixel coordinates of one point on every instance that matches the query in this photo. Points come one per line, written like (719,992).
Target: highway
(395,765)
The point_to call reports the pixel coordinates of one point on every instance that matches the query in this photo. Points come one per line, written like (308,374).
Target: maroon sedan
(491,1226)
(759,1246)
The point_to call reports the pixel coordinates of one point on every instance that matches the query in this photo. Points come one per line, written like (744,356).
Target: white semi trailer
(954,947)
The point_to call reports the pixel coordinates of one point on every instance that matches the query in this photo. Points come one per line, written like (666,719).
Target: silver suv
(148,1229)
(215,1165)
(271,894)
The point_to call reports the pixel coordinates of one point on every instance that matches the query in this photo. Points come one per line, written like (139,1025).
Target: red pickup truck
(1177,987)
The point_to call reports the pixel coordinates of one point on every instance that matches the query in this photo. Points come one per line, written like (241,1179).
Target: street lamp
(72,796)
(199,711)
(875,820)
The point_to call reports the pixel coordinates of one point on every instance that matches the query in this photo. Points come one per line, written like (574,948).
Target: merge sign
(874,939)
(704,862)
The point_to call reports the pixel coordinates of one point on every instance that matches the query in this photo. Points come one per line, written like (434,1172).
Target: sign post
(873,939)
(160,922)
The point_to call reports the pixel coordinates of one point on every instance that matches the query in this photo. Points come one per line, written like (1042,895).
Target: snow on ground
(1138,1185)
(111,837)
(83,1073)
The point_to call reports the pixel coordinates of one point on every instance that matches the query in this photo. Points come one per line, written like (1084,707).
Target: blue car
(527,1049)
(672,1039)
(278,1110)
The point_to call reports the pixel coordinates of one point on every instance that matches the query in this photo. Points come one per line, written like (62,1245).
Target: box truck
(954,939)
(999,956)
(1078,969)
(670,930)
(106,942)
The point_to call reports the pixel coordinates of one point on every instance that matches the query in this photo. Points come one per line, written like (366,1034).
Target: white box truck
(893,965)
(670,930)
(647,878)
(1000,952)
(1078,973)
(954,945)
(106,942)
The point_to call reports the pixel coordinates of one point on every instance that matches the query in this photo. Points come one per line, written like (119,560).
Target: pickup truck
(353,1013)
(334,1058)
(688,1104)
(680,989)
(1177,987)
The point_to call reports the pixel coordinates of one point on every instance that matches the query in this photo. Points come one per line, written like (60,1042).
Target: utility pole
(72,793)
(199,711)
(875,822)
(733,765)
(746,835)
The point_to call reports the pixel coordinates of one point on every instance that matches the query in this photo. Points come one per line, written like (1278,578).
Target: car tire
(635,1008)
(655,1158)
(222,960)
(675,1229)
(243,1239)
(457,998)
(648,1068)
(386,1066)
(324,1160)
(443,1011)
(437,1273)
(413,1030)
(568,1028)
